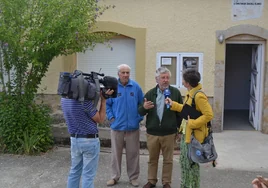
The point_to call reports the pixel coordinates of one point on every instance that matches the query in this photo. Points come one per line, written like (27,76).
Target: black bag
(197,152)
(188,110)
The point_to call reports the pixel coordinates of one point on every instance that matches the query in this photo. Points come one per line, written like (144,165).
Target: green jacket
(170,120)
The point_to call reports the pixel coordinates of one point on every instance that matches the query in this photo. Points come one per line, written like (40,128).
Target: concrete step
(62,137)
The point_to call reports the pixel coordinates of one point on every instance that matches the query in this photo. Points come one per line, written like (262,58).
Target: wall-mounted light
(221,38)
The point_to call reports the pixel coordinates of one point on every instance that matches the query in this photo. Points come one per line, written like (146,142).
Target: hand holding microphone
(167,96)
(168,101)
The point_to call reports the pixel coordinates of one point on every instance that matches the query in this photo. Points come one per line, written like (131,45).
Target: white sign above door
(246,9)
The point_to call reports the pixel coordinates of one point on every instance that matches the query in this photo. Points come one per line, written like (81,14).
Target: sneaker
(134,183)
(111,182)
(148,185)
(166,186)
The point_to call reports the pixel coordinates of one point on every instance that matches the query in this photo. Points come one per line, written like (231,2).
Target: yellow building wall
(171,26)
(179,26)
(49,83)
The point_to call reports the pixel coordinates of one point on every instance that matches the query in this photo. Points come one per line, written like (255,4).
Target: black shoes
(148,185)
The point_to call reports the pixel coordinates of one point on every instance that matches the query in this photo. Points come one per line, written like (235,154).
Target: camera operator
(82,119)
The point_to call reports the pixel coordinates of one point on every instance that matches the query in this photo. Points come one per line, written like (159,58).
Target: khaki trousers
(156,144)
(132,139)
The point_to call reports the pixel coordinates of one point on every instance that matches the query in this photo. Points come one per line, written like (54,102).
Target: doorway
(242,86)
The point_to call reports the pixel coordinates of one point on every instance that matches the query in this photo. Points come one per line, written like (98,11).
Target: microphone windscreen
(167,92)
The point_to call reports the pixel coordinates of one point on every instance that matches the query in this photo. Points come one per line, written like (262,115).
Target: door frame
(240,32)
(262,73)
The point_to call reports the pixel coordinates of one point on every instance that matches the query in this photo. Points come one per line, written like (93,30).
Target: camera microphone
(167,94)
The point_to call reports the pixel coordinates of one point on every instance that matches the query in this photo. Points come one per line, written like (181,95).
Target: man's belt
(85,135)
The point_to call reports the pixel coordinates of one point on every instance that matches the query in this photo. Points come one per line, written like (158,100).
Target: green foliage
(25,127)
(28,142)
(2,145)
(32,33)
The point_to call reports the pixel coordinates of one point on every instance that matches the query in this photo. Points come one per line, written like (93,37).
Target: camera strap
(96,99)
(81,88)
(81,93)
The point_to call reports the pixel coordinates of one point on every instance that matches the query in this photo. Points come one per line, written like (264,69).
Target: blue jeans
(85,158)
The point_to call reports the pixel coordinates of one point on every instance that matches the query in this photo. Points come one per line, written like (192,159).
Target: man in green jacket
(161,127)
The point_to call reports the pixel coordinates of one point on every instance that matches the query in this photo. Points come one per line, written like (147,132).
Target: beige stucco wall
(176,26)
(179,26)
(171,26)
(49,83)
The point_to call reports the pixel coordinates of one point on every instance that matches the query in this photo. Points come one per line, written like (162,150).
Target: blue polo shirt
(78,116)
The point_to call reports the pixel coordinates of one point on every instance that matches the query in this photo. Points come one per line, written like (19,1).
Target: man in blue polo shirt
(82,119)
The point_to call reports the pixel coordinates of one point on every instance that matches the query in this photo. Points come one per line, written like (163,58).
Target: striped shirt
(78,116)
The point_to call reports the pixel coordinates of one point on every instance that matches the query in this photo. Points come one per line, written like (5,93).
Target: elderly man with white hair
(124,117)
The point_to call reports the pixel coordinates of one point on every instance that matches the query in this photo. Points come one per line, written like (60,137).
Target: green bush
(24,126)
(32,34)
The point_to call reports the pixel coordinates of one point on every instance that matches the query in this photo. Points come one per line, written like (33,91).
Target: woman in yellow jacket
(197,127)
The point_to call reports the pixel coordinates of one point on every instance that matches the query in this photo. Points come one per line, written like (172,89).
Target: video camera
(84,86)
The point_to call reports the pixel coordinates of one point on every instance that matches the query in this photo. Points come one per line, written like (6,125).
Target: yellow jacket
(197,126)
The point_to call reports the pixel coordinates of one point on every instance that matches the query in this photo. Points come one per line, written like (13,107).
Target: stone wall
(264,126)
(57,117)
(60,132)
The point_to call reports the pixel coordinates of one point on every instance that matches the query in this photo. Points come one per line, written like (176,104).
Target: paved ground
(242,156)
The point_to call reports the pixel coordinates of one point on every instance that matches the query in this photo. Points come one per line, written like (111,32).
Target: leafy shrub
(24,126)
(32,34)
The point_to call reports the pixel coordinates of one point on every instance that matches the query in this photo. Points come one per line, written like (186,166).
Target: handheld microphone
(167,94)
